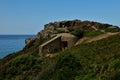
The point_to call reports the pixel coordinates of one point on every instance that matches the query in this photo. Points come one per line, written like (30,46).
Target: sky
(29,16)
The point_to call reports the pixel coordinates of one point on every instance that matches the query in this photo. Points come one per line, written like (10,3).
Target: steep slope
(98,60)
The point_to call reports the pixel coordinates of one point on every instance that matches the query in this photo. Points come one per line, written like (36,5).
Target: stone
(27,41)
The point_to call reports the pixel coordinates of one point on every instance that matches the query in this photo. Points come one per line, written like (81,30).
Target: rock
(64,26)
(49,26)
(39,35)
(54,28)
(27,41)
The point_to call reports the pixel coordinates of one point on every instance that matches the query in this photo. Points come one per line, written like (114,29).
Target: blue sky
(29,16)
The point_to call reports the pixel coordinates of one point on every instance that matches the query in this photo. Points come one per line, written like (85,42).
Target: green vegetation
(66,67)
(99,60)
(92,33)
(88,61)
(60,31)
(108,28)
(81,34)
(54,51)
(24,65)
(60,68)
(112,30)
(104,26)
(78,33)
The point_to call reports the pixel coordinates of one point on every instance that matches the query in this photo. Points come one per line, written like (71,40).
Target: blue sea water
(12,43)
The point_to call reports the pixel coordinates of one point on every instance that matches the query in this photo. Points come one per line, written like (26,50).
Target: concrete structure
(68,39)
(51,45)
(60,42)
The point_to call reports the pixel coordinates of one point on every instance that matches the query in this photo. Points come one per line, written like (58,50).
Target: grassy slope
(99,60)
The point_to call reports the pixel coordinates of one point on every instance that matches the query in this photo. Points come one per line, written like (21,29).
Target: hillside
(95,58)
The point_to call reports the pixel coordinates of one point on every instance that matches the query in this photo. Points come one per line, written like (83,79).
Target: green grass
(99,60)
(91,61)
(112,30)
(92,33)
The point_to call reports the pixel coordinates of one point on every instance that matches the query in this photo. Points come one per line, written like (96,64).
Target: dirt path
(101,36)
(81,40)
(88,40)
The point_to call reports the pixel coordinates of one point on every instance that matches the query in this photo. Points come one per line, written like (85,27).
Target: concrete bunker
(60,42)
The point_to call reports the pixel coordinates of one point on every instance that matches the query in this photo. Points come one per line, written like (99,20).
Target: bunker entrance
(64,44)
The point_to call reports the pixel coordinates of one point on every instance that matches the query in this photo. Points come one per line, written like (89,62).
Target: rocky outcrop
(54,28)
(27,41)
(74,24)
(65,26)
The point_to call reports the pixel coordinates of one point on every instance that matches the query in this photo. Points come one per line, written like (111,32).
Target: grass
(92,33)
(113,30)
(99,60)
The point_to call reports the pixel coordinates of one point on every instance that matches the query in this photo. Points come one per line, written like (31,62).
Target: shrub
(78,33)
(115,64)
(112,29)
(60,31)
(66,67)
(104,26)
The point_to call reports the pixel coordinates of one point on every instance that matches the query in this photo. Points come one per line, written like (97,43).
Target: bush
(60,31)
(24,63)
(78,33)
(112,29)
(66,67)
(115,64)
(104,26)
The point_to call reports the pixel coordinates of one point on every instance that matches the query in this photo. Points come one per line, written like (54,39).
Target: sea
(12,43)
